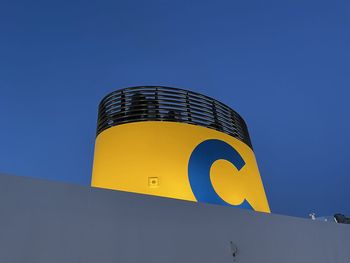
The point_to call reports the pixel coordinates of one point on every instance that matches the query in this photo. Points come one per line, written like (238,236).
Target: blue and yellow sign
(178,160)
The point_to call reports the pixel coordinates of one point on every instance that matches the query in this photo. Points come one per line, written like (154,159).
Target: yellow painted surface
(152,158)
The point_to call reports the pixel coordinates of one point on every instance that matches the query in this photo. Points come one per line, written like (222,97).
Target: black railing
(156,103)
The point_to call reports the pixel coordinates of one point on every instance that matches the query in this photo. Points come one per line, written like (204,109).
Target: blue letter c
(201,160)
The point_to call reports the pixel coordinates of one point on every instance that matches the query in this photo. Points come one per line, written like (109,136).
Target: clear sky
(283,65)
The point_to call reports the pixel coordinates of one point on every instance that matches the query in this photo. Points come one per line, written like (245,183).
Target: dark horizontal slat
(154,103)
(190,98)
(181,113)
(160,102)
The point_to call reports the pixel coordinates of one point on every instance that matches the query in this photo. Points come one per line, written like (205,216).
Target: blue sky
(283,65)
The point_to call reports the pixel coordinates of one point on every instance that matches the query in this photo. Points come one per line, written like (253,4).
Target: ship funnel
(178,144)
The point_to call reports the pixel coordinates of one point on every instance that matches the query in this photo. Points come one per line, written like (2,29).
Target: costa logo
(199,166)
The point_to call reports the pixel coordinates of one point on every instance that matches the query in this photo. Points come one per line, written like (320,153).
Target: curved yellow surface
(152,158)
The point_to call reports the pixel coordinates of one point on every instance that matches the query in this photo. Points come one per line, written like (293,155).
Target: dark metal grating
(156,103)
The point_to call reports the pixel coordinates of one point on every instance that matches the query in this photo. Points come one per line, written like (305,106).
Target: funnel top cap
(159,103)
